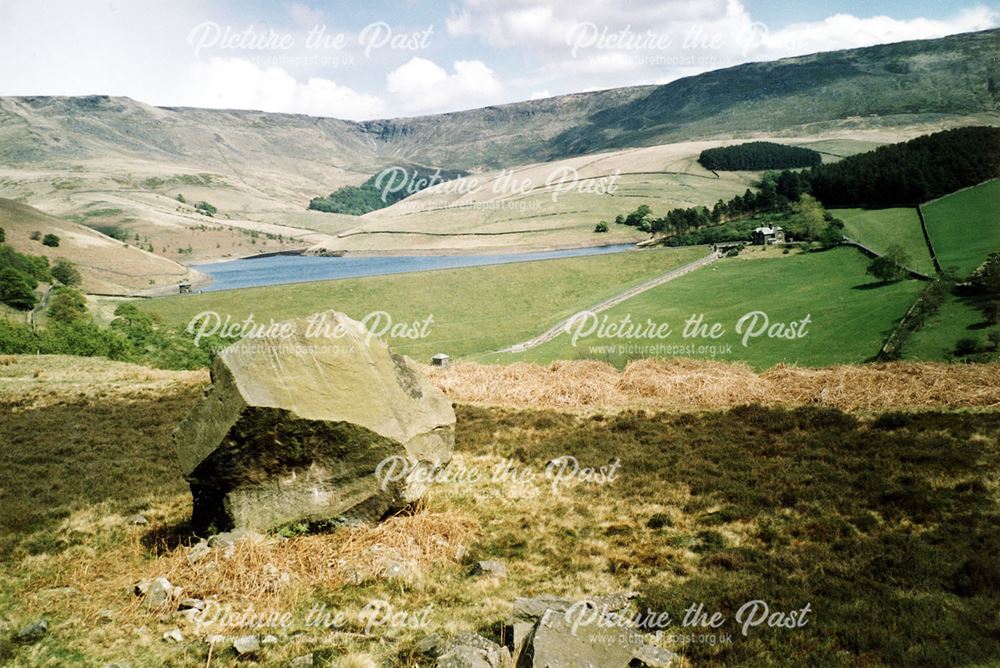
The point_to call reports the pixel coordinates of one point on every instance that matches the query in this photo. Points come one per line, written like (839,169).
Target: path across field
(559,328)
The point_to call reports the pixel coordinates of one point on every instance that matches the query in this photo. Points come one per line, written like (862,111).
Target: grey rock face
(490,568)
(464,656)
(159,593)
(246,645)
(295,426)
(558,638)
(465,650)
(31,633)
(174,635)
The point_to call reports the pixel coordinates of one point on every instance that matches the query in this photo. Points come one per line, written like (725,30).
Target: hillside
(955,75)
(74,156)
(106,265)
(862,515)
(889,84)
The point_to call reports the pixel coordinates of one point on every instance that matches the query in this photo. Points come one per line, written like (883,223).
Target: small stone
(490,567)
(269,640)
(246,644)
(59,592)
(650,656)
(136,520)
(464,656)
(118,664)
(402,570)
(159,592)
(301,661)
(191,604)
(106,615)
(228,539)
(275,578)
(140,588)
(431,645)
(198,551)
(173,635)
(32,633)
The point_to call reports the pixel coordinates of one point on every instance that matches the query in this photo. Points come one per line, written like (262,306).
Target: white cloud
(131,48)
(240,84)
(843,31)
(571,45)
(305,15)
(460,25)
(421,85)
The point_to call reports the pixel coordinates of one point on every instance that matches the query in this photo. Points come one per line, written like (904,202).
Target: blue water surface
(281,269)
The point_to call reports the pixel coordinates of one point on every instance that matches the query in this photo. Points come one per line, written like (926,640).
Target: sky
(387,58)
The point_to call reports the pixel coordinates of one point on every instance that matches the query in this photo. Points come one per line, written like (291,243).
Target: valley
(771,370)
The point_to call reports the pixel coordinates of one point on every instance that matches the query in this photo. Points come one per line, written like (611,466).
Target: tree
(50,240)
(67,304)
(34,268)
(601,227)
(966,347)
(205,209)
(986,279)
(833,233)
(639,216)
(758,156)
(3,236)
(16,290)
(912,172)
(992,313)
(994,338)
(789,185)
(66,272)
(810,218)
(36,235)
(718,211)
(891,266)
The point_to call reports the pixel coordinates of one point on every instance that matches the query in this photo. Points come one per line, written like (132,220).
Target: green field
(965,227)
(880,228)
(956,319)
(474,310)
(850,316)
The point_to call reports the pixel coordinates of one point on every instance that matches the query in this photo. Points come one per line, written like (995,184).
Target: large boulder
(297,421)
(553,643)
(595,633)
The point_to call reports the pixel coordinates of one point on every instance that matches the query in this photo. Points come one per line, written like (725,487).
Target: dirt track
(561,327)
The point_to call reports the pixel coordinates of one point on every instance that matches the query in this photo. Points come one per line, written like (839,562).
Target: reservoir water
(282,269)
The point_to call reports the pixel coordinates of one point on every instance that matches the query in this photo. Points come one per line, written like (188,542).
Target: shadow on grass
(875,285)
(165,538)
(69,456)
(979,303)
(888,528)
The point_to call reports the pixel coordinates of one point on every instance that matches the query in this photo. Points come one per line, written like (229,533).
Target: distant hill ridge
(890,84)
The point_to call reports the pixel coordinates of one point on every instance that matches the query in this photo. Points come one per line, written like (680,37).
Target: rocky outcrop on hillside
(297,422)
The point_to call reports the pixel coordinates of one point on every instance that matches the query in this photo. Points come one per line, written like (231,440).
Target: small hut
(184,288)
(440,360)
